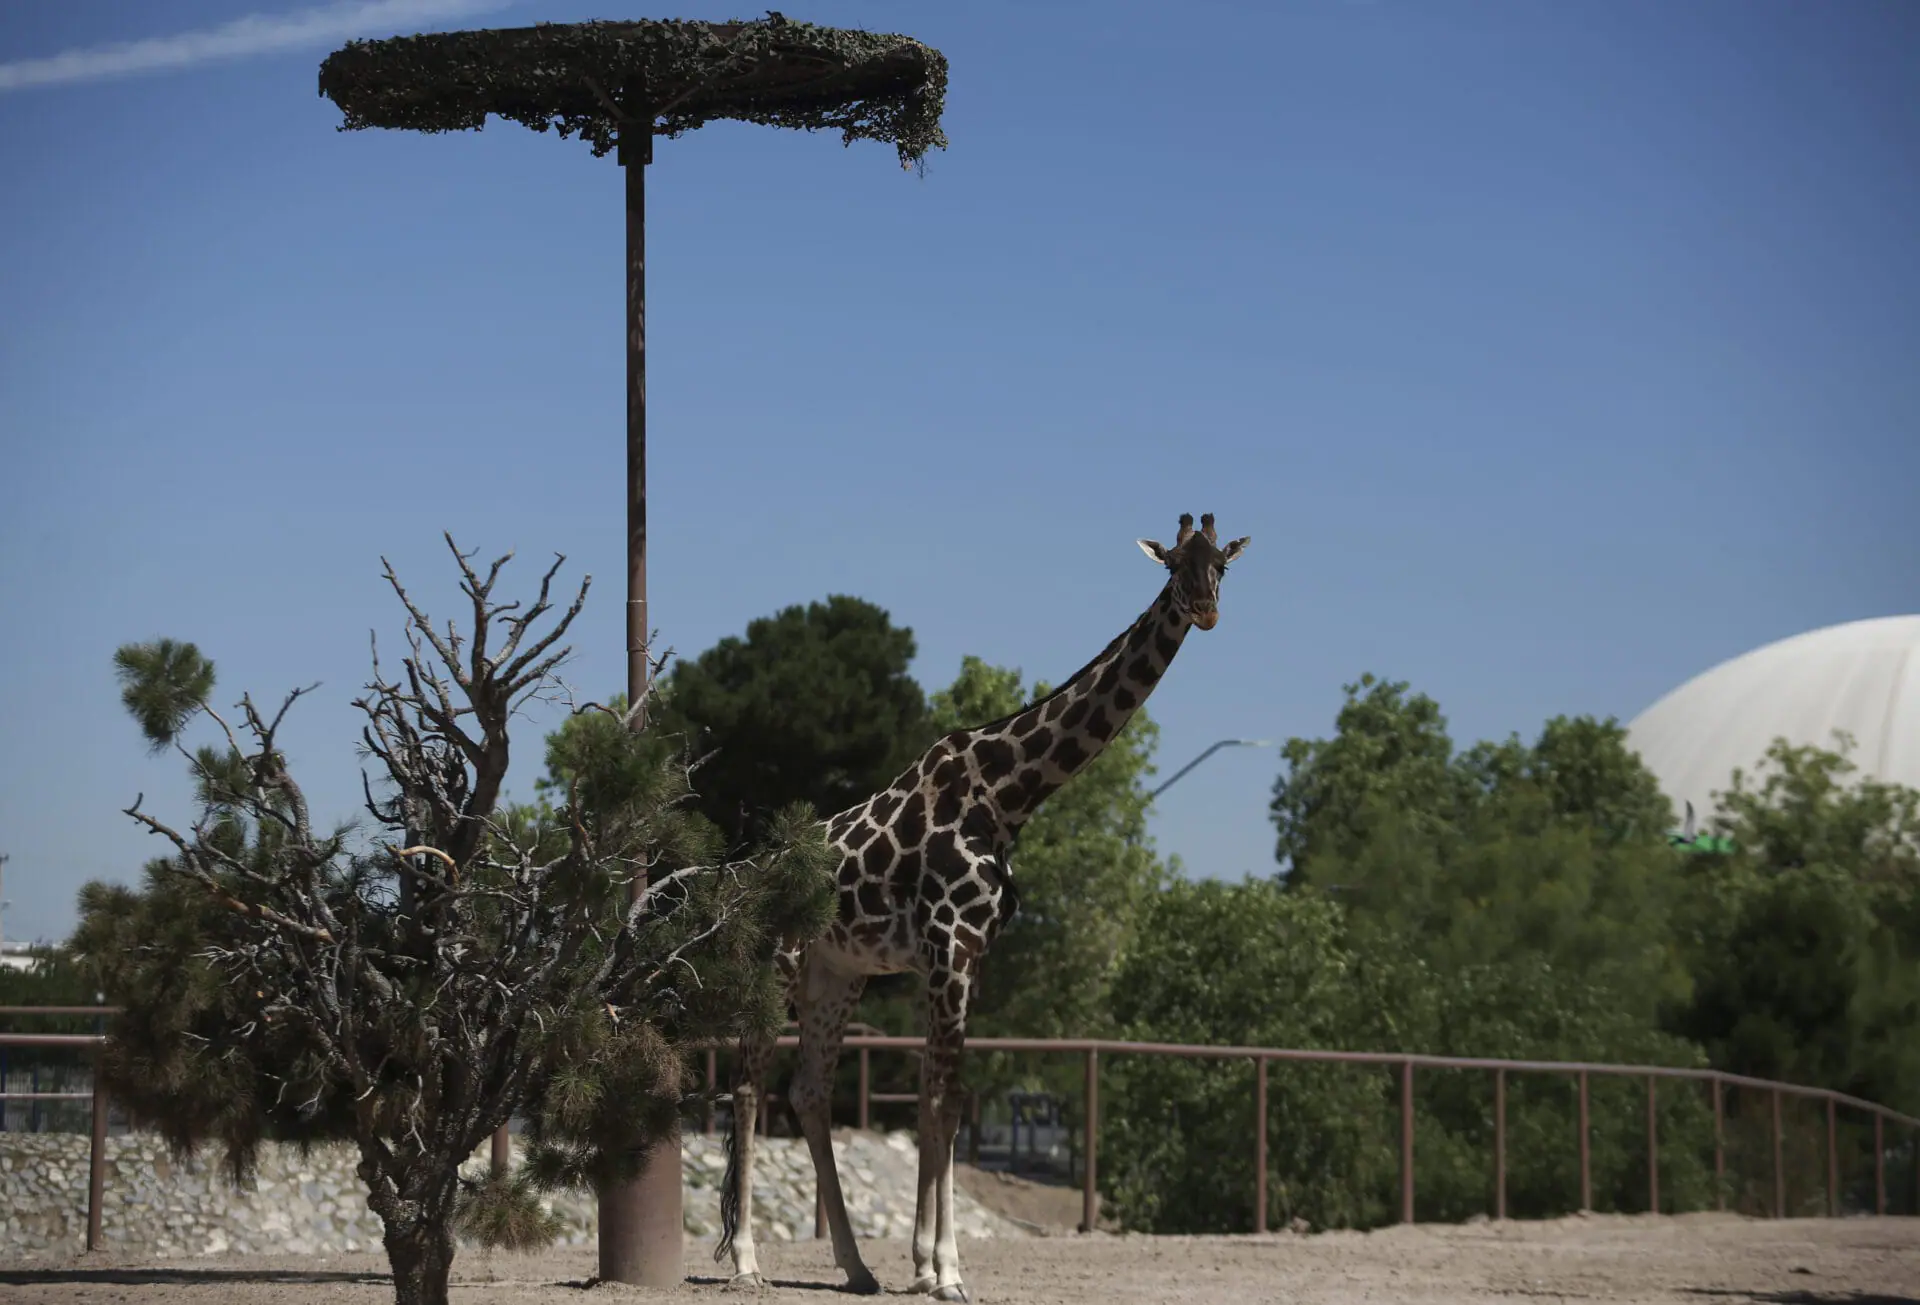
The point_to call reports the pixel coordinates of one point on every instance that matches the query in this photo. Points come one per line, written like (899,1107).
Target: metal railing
(97,1151)
(1582,1071)
(1091,1049)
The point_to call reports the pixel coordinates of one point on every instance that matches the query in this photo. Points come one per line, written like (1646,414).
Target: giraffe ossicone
(926,884)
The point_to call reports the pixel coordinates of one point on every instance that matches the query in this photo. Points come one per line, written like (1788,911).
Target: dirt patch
(1037,1207)
(1688,1260)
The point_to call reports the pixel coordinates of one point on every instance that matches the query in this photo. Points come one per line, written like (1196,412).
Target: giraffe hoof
(924,1284)
(863,1283)
(749,1281)
(953,1292)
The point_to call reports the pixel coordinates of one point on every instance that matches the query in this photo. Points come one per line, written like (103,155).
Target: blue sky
(1550,353)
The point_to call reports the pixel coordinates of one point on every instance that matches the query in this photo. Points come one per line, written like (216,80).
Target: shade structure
(596,80)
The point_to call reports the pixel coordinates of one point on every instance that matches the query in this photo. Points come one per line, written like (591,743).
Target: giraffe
(926,884)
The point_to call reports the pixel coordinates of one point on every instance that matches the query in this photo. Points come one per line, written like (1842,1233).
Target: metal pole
(641,1239)
(1406,1141)
(1500,1144)
(1090,1192)
(97,1153)
(1653,1145)
(1833,1161)
(1260,1144)
(1586,1149)
(1779,1164)
(713,1086)
(502,1158)
(638,670)
(1719,1149)
(1879,1163)
(866,1091)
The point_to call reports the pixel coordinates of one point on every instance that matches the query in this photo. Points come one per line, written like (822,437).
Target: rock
(161,1207)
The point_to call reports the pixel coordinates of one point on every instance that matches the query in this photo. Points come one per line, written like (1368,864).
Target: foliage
(1805,942)
(1550,855)
(813,704)
(1245,964)
(52,979)
(503,1211)
(1259,964)
(1508,900)
(413,991)
(589,79)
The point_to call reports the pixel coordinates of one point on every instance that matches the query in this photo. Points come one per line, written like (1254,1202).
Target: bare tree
(413,990)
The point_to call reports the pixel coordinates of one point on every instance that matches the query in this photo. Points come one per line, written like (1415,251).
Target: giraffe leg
(736,1195)
(736,1189)
(936,1248)
(826,1002)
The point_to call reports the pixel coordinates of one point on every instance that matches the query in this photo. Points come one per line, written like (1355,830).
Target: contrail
(251,35)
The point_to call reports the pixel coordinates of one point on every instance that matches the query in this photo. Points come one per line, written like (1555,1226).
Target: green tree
(1804,943)
(51,978)
(1246,964)
(1389,752)
(813,704)
(1523,896)
(1553,851)
(411,991)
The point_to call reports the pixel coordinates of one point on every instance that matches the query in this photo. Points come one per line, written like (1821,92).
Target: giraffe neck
(1024,758)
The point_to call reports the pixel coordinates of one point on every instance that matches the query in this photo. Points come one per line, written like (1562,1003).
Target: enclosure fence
(1092,1049)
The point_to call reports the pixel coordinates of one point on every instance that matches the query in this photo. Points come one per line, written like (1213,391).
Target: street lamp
(1223,743)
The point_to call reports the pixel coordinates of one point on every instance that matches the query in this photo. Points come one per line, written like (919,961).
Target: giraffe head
(1195,564)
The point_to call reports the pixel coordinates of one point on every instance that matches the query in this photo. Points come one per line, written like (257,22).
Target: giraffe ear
(1152,548)
(1236,548)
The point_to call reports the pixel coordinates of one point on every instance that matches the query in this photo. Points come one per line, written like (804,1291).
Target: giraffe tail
(730,1186)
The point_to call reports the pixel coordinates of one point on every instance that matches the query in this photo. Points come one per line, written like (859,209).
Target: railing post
(1879,1163)
(866,1079)
(1833,1160)
(1779,1164)
(1720,1148)
(1500,1144)
(1653,1144)
(1406,1141)
(502,1157)
(1259,1144)
(97,1153)
(1090,1193)
(1586,1150)
(1913,1171)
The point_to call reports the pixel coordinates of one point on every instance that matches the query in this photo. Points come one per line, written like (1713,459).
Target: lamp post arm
(1223,743)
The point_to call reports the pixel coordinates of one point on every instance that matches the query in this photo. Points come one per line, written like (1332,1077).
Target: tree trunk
(421,1254)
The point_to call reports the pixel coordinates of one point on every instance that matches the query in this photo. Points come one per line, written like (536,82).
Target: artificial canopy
(594,80)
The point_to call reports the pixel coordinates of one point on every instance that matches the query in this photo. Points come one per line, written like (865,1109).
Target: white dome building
(1862,677)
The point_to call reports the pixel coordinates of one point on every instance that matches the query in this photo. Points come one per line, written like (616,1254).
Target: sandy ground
(1043,1207)
(1688,1260)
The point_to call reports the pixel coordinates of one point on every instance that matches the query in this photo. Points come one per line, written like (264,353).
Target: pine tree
(411,987)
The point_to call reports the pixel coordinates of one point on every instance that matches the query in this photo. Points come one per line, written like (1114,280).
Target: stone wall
(164,1208)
